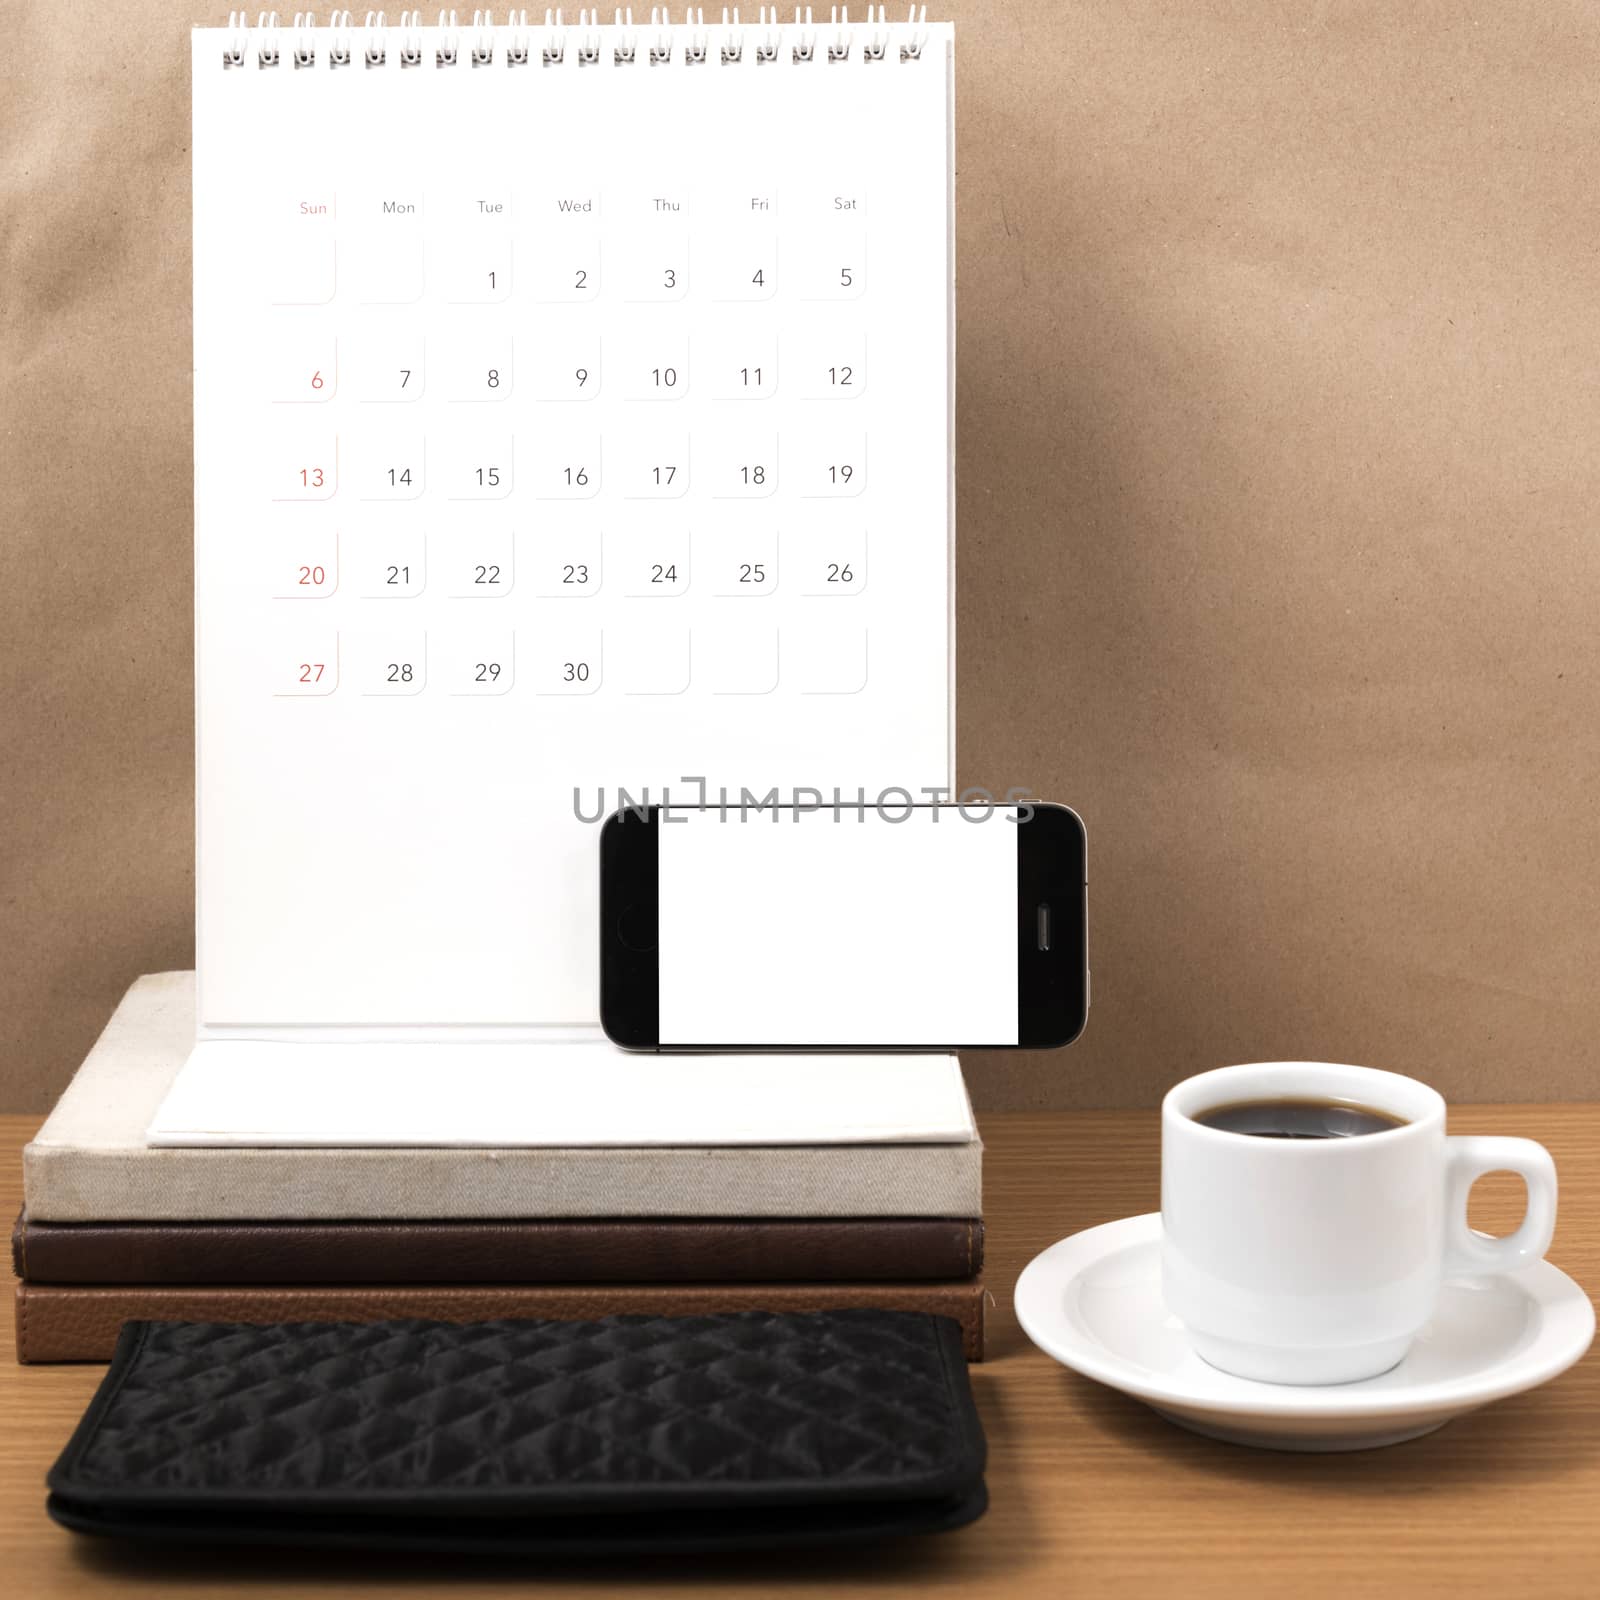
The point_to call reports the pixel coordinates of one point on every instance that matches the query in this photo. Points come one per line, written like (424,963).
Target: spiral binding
(517,44)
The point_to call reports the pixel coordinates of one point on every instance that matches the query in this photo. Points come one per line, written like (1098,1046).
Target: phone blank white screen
(838,927)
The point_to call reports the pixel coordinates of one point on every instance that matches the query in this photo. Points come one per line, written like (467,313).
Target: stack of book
(115,1228)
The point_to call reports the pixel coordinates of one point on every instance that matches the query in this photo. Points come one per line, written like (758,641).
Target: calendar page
(572,420)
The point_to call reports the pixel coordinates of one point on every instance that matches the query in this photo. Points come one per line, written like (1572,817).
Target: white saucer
(1093,1302)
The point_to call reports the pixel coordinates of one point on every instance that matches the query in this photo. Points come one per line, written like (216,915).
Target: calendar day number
(567,660)
(305,668)
(312,475)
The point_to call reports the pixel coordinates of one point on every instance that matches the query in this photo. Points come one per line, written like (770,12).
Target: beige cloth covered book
(93,1162)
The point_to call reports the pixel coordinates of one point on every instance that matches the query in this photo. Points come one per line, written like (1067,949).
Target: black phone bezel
(630,975)
(1052,984)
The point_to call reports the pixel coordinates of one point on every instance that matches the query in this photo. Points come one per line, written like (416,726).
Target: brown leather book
(66,1323)
(692,1250)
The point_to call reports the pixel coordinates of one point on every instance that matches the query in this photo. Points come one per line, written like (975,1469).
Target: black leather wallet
(628,1434)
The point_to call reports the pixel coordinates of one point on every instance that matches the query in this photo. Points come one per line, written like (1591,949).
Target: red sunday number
(316,380)
(313,577)
(311,671)
(311,477)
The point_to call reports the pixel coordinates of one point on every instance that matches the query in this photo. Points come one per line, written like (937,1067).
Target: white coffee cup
(1319,1260)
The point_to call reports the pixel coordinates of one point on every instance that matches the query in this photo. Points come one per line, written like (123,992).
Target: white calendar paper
(572,415)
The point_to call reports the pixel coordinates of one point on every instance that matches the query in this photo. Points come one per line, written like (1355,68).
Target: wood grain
(1091,1493)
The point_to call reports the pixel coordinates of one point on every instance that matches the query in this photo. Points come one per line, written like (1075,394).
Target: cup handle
(1468,1253)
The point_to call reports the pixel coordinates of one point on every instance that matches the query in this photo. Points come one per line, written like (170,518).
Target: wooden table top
(1090,1492)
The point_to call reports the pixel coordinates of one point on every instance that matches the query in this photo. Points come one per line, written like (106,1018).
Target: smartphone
(843,927)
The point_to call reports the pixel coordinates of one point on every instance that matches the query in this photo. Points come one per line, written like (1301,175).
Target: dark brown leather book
(694,1250)
(65,1323)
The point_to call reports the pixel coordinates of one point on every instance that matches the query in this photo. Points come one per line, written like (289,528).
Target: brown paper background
(1278,404)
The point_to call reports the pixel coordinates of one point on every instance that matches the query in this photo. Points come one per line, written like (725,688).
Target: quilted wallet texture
(625,1434)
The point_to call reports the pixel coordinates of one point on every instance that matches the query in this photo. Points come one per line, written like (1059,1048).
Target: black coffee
(1299,1119)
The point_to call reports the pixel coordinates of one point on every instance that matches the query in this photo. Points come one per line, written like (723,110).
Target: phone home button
(636,927)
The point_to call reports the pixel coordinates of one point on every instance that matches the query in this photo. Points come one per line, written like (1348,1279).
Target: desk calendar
(572,415)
